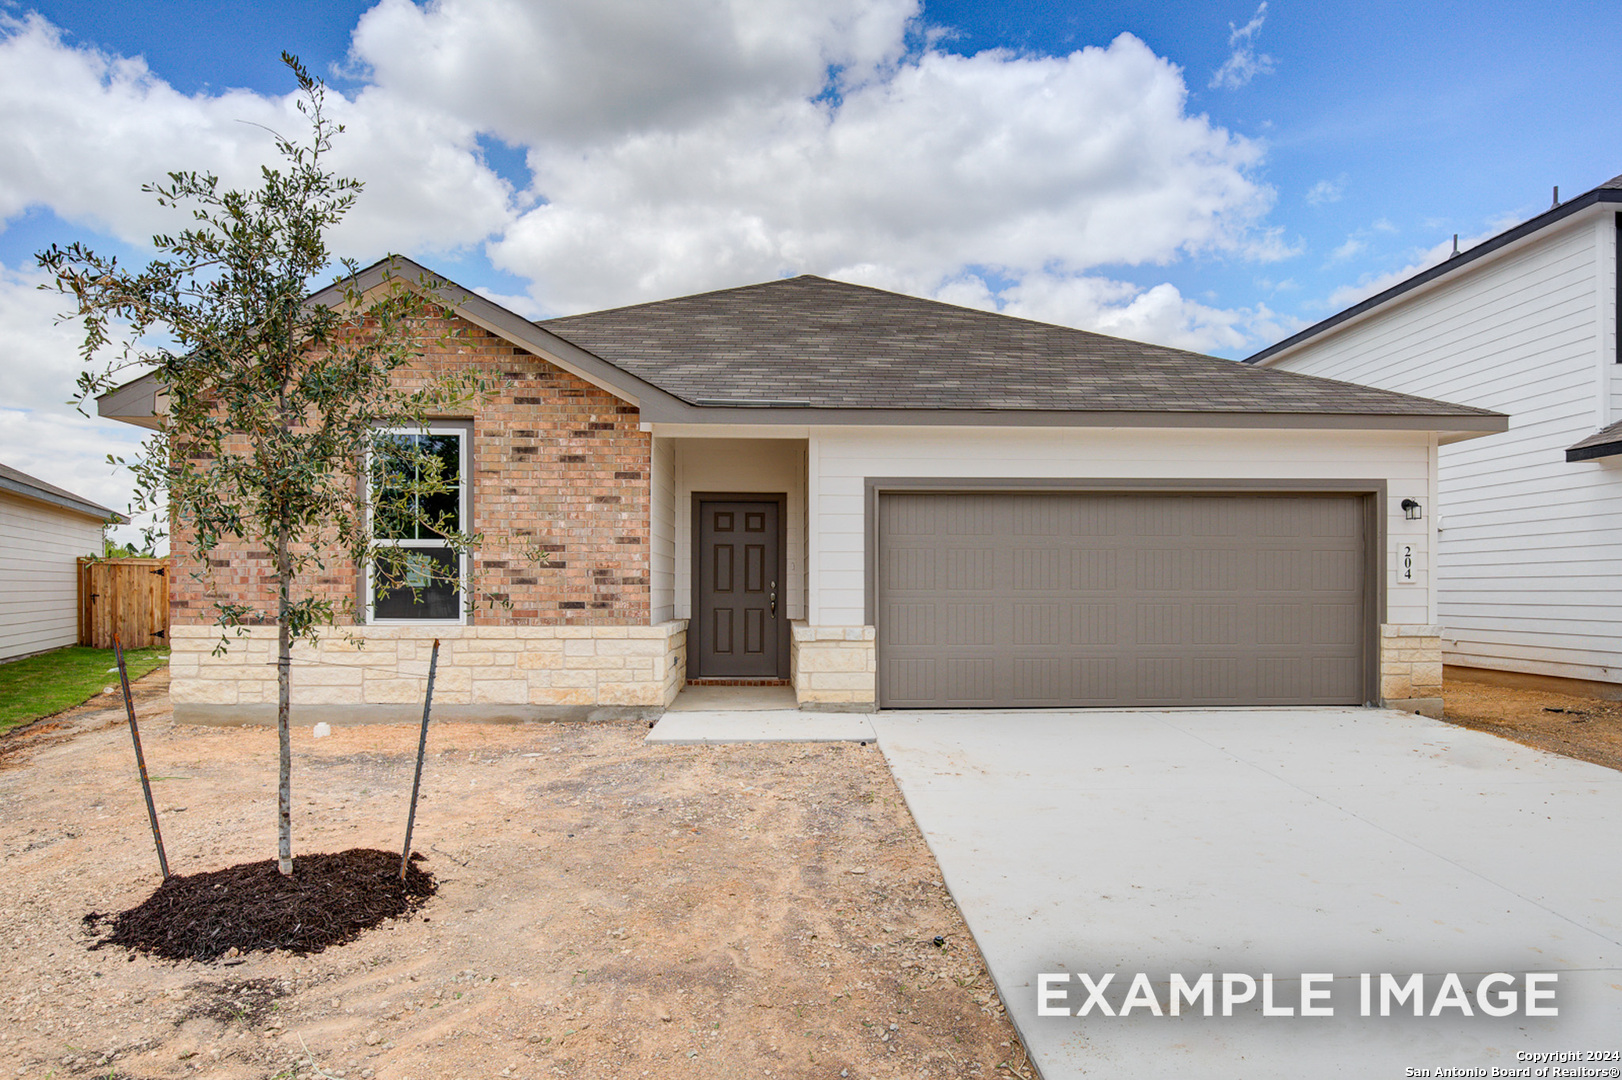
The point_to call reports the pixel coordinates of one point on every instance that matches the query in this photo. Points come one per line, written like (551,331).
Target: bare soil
(1579,727)
(605,909)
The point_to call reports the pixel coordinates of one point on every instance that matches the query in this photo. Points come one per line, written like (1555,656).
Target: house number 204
(1405,562)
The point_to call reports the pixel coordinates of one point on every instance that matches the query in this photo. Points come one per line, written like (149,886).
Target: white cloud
(673,147)
(1347,295)
(40,433)
(1324,191)
(581,71)
(84,130)
(1159,314)
(1016,162)
(1244,63)
(1353,246)
(70,451)
(41,356)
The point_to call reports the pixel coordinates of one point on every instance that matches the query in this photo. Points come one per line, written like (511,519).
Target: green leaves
(273,401)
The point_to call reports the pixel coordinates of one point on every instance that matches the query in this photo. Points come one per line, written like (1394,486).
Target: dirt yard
(1579,727)
(606,909)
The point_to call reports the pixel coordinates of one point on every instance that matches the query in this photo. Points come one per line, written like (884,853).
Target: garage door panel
(969,569)
(1161,569)
(911,568)
(912,680)
(1220,678)
(915,624)
(1094,681)
(1160,624)
(971,679)
(1220,570)
(1214,624)
(1120,599)
(1094,624)
(1334,570)
(1038,624)
(1280,624)
(1334,624)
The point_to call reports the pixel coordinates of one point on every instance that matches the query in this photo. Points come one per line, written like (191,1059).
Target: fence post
(422,746)
(140,758)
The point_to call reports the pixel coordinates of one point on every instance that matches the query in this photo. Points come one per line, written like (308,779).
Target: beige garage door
(1082,599)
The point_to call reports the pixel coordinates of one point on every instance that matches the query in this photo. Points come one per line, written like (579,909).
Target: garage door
(1084,599)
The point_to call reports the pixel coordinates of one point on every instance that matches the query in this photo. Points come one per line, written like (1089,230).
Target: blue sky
(1222,176)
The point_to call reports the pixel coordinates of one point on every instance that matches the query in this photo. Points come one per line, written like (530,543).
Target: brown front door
(739,596)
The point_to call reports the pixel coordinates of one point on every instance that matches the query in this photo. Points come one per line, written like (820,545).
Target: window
(419,495)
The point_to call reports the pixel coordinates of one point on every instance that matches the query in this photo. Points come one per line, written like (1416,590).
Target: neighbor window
(426,583)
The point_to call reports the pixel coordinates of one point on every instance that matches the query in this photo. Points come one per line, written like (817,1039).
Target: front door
(738,593)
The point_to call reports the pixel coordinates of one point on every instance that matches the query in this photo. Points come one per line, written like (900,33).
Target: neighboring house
(43,531)
(1530,520)
(887,501)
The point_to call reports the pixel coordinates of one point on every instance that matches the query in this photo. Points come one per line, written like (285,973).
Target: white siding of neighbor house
(662,533)
(39,581)
(741,466)
(1530,544)
(841,460)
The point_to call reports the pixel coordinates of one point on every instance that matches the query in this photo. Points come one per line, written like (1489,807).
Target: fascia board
(59,502)
(1464,426)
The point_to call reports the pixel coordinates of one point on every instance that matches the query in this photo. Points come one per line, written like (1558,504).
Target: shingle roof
(20,483)
(1605,442)
(811,342)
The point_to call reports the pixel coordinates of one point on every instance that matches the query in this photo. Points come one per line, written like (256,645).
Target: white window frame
(464,436)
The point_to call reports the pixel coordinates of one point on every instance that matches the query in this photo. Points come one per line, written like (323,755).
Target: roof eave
(1597,450)
(1449,426)
(1552,216)
(137,402)
(50,498)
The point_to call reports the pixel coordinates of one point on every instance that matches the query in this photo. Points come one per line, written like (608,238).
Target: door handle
(774,598)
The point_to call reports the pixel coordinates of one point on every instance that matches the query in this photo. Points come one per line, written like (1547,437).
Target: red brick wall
(556,464)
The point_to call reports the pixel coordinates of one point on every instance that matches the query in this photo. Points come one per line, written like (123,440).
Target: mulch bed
(330,899)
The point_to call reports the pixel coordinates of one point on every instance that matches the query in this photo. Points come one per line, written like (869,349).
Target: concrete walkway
(701,715)
(1287,842)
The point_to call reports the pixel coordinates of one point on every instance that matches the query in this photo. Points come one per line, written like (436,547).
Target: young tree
(279,409)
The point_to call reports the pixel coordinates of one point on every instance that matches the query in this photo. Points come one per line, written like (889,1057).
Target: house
(1528,519)
(43,531)
(885,502)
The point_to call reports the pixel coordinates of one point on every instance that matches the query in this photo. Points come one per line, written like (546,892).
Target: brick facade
(556,464)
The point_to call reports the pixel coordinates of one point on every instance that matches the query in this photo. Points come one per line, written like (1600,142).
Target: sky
(1212,176)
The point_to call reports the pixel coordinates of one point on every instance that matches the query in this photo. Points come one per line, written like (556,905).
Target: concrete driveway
(1281,842)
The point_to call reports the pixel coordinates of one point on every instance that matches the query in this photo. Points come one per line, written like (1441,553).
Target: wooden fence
(129,597)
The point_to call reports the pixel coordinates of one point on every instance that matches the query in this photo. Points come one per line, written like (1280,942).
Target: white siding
(39,587)
(1529,543)
(843,458)
(741,466)
(662,533)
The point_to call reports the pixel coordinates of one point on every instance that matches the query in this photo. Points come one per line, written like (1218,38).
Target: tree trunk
(284,663)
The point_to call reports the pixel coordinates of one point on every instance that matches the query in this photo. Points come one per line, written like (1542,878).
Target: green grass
(50,682)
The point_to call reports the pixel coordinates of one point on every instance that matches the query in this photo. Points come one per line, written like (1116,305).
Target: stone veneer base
(834,668)
(350,715)
(1411,668)
(500,674)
